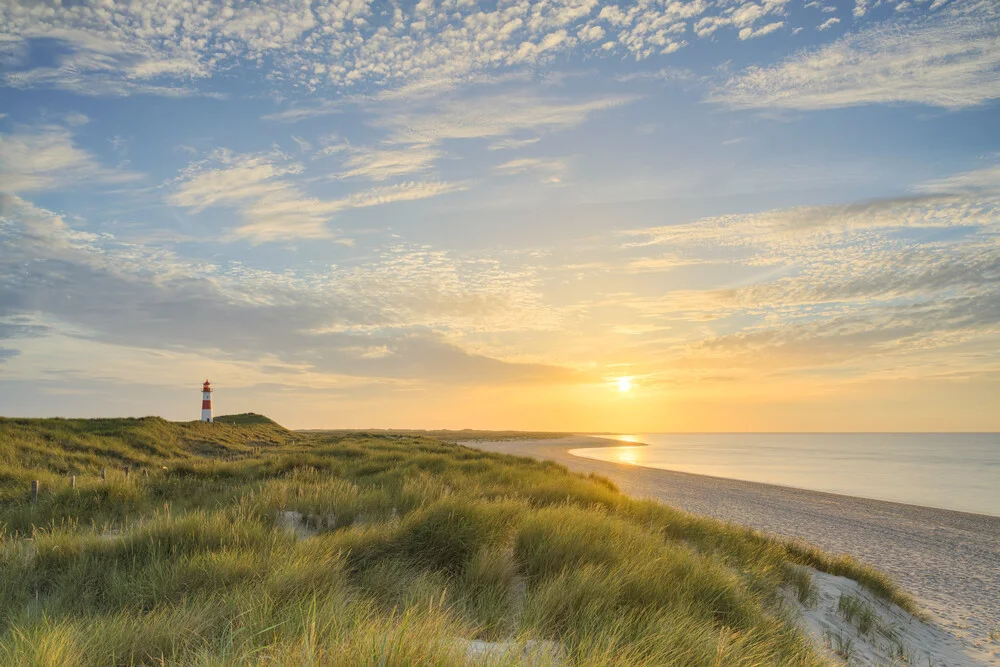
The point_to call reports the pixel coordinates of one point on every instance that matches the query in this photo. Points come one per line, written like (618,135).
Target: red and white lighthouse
(206,402)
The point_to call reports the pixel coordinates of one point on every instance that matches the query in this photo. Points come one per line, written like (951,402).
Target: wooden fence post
(104,474)
(34,490)
(126,472)
(72,481)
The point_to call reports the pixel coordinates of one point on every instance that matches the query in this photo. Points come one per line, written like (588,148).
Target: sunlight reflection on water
(948,470)
(627,455)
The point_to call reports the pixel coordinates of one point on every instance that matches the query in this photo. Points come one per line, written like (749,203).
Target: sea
(957,471)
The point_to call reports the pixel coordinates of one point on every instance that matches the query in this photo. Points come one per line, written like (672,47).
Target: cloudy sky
(768,214)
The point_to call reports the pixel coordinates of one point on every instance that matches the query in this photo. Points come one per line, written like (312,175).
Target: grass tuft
(856,611)
(802,584)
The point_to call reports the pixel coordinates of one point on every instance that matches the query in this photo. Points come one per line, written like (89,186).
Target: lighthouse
(206,402)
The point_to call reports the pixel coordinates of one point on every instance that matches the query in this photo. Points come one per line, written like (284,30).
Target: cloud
(273,207)
(980,181)
(123,49)
(158,47)
(549,170)
(46,157)
(745,17)
(488,116)
(415,130)
(13,326)
(670,74)
(236,178)
(409,191)
(647,29)
(913,272)
(295,114)
(286,214)
(827,24)
(861,285)
(910,341)
(509,144)
(332,144)
(94,60)
(750,33)
(665,262)
(950,59)
(787,230)
(161,47)
(75,118)
(379,164)
(405,307)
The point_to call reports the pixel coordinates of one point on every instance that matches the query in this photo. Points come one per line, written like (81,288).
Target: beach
(949,561)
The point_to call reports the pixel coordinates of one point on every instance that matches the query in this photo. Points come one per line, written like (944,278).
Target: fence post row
(104,477)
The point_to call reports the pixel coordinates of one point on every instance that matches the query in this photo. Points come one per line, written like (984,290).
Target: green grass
(856,611)
(801,583)
(407,545)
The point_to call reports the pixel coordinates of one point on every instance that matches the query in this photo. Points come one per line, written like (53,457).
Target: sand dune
(950,561)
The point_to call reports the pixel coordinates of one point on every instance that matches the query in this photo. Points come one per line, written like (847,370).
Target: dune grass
(240,542)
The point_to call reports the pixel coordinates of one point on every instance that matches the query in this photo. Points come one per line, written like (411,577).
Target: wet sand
(950,561)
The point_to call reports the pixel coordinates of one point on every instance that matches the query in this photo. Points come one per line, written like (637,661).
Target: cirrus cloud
(274,207)
(950,59)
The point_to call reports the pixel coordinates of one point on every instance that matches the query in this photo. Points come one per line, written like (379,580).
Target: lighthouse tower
(206,402)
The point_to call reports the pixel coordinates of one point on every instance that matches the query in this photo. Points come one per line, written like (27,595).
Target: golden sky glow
(597,216)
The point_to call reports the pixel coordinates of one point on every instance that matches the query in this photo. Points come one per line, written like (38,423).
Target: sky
(764,215)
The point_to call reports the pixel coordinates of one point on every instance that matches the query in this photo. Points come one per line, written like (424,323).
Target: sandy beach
(950,561)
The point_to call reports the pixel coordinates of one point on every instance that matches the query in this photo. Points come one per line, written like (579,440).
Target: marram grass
(242,543)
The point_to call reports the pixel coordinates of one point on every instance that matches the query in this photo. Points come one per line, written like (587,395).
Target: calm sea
(959,471)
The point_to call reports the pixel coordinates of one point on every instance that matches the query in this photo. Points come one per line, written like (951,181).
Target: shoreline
(626,443)
(945,558)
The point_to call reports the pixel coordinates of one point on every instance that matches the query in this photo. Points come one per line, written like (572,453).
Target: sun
(624,384)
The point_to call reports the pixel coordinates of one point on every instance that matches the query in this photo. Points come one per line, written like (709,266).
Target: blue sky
(776,215)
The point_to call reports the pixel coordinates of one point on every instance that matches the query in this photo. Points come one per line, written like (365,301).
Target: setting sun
(624,384)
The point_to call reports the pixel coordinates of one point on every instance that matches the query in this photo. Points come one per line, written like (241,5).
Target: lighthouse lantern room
(206,402)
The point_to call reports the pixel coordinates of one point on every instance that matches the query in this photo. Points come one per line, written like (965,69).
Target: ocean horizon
(955,471)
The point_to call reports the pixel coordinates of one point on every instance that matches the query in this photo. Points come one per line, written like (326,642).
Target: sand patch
(855,627)
(294,523)
(533,653)
(309,525)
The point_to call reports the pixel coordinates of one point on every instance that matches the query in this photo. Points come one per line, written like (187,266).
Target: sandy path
(949,560)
